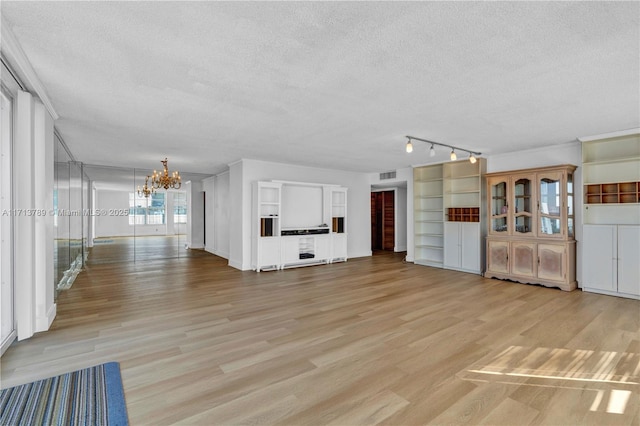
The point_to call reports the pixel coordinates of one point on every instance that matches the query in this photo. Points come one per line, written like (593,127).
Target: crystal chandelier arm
(165,180)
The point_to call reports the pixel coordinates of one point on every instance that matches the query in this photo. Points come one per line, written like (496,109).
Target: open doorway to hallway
(389,218)
(383,220)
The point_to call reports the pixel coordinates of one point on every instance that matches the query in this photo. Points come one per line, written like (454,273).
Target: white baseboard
(7,342)
(362,254)
(222,254)
(43,323)
(237,265)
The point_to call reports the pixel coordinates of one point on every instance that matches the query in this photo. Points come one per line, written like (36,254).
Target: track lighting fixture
(432,151)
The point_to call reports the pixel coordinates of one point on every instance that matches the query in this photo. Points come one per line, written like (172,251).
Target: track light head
(432,150)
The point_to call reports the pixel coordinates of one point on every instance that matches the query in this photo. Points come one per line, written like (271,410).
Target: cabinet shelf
(611,161)
(463,214)
(474,175)
(467,191)
(612,193)
(429,246)
(428,180)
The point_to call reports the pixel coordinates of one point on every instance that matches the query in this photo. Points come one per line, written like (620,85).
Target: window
(179,207)
(146,211)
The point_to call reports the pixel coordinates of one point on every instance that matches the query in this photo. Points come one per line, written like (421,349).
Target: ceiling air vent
(388,175)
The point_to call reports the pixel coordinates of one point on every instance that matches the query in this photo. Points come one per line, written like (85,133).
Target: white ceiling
(330,84)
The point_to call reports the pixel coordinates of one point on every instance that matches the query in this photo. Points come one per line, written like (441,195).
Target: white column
(237,241)
(43,180)
(24,225)
(168,213)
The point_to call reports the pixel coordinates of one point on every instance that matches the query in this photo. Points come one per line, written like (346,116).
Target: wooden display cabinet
(531,226)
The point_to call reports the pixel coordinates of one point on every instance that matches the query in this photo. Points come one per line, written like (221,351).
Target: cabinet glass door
(570,213)
(549,210)
(498,206)
(523,218)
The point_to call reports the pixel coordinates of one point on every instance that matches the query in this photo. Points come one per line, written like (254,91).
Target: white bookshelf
(464,188)
(428,215)
(611,214)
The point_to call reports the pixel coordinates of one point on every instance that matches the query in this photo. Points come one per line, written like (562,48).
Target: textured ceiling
(330,84)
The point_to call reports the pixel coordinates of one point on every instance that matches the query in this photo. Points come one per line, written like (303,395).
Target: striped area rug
(92,396)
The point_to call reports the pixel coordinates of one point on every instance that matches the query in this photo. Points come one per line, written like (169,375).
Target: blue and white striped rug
(93,396)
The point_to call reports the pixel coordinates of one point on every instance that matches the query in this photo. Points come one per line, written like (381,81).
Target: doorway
(383,220)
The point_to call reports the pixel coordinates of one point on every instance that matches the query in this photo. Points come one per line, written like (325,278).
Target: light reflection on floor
(612,377)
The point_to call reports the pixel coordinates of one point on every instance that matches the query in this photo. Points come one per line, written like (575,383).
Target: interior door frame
(395,214)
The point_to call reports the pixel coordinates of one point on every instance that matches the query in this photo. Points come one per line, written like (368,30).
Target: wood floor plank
(368,341)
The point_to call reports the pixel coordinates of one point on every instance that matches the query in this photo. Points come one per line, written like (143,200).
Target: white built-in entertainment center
(297,224)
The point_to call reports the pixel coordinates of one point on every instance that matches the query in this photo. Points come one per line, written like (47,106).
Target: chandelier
(146,190)
(165,180)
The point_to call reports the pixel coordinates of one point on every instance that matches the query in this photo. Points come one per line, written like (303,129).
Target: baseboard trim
(44,322)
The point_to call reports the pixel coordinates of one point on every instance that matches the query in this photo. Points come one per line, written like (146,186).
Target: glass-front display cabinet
(499,205)
(523,204)
(531,226)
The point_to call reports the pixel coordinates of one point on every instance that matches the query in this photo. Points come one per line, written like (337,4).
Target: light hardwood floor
(370,341)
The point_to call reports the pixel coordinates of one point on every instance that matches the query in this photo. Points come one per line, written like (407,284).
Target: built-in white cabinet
(462,246)
(298,224)
(265,230)
(428,215)
(448,215)
(611,257)
(338,214)
(611,215)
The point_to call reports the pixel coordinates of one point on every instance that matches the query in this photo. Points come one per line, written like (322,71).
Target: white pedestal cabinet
(462,246)
(611,260)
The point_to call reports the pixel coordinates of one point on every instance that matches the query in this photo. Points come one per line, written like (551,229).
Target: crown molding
(21,65)
(619,133)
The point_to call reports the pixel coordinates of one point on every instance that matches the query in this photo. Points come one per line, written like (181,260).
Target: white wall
(118,226)
(569,153)
(217,214)
(195,215)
